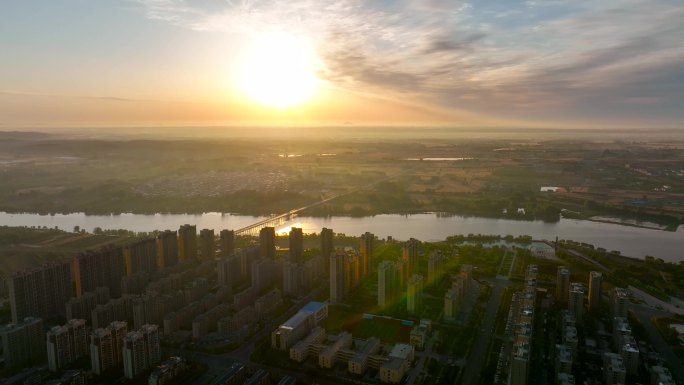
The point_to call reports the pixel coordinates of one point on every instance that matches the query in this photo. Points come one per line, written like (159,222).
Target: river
(630,241)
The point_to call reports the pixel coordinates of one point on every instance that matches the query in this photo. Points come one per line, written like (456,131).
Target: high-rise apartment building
(267,242)
(401,267)
(228,270)
(410,255)
(296,239)
(337,277)
(327,246)
(66,344)
(576,299)
(414,294)
(562,284)
(23,344)
(106,346)
(520,363)
(167,249)
(40,292)
(595,280)
(227,243)
(151,334)
(102,316)
(104,267)
(59,348)
(451,305)
(366,248)
(262,273)
(101,351)
(141,351)
(293,277)
(467,273)
(140,256)
(435,267)
(187,242)
(134,357)
(352,272)
(148,309)
(119,329)
(387,283)
(619,298)
(207,244)
(614,371)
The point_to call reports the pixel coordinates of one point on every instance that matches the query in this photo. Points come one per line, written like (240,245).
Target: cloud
(446,43)
(506,56)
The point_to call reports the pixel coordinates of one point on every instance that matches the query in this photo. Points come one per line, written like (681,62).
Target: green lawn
(385,331)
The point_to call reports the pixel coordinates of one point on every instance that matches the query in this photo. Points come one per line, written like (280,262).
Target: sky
(535,63)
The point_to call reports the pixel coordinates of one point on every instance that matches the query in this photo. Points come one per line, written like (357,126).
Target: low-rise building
(359,361)
(299,325)
(168,371)
(419,335)
(328,357)
(301,350)
(397,364)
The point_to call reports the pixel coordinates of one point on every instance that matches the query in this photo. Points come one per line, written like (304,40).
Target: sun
(278,71)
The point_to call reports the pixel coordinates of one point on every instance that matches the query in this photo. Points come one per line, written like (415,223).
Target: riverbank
(630,241)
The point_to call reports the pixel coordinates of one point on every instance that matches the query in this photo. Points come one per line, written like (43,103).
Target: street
(477,354)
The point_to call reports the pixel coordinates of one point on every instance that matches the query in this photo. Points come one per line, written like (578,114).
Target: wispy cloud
(507,56)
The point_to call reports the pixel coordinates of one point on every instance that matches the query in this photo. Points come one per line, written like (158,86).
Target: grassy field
(54,173)
(342,318)
(390,332)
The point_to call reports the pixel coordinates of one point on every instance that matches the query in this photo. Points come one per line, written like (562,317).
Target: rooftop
(257,377)
(402,351)
(234,370)
(393,363)
(313,306)
(296,320)
(576,287)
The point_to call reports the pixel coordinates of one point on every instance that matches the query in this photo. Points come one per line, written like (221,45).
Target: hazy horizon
(504,64)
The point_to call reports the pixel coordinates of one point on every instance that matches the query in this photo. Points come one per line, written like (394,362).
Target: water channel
(629,240)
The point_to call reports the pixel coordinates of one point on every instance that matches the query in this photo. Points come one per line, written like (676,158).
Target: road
(479,350)
(422,357)
(586,259)
(654,302)
(645,314)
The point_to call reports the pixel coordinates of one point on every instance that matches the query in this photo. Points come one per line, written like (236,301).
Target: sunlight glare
(278,71)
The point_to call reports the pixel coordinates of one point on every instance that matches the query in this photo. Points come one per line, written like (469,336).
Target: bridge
(272,221)
(276,220)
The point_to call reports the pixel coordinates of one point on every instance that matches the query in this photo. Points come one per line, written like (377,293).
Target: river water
(630,241)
